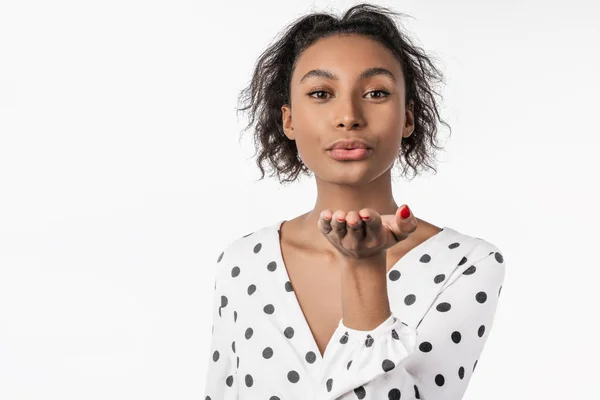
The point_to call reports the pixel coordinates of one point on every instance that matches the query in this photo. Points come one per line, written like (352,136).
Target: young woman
(357,298)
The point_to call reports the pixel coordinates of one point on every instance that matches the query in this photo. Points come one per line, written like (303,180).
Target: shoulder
(239,247)
(480,247)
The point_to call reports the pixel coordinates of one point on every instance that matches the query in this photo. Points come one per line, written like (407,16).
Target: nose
(349,116)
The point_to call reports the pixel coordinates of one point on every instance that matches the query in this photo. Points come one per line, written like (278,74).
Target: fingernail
(340,220)
(365,218)
(405,212)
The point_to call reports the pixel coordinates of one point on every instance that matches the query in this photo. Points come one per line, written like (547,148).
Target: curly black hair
(270,87)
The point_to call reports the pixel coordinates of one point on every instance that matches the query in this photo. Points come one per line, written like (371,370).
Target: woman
(357,298)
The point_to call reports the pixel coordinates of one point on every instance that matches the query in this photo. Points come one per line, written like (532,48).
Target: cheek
(309,148)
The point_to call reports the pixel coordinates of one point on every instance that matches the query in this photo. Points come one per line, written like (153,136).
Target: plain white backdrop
(123,176)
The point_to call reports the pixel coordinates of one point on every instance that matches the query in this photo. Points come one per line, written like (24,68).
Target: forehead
(346,56)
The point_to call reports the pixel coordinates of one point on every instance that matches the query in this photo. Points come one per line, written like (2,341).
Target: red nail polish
(405,212)
(367,218)
(340,220)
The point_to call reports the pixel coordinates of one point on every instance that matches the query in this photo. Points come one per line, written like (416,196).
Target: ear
(286,117)
(409,124)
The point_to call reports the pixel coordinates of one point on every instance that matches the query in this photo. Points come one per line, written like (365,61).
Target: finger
(372,221)
(324,222)
(355,227)
(338,224)
(406,220)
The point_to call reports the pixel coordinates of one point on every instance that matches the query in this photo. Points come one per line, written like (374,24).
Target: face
(326,109)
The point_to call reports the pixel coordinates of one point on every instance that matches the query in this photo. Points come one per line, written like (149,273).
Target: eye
(385,92)
(316,91)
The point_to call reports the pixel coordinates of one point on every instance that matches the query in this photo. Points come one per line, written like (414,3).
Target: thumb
(406,222)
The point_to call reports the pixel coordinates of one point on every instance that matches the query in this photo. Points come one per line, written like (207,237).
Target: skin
(354,255)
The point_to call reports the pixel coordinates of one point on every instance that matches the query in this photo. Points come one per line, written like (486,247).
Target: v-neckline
(298,309)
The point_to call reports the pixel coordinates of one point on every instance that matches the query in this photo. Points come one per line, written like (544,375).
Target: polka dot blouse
(443,295)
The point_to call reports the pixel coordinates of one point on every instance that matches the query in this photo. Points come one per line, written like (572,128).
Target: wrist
(375,262)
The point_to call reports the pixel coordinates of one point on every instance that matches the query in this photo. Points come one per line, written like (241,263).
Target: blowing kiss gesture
(366,233)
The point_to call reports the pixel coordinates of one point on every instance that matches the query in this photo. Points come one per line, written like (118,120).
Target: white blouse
(443,295)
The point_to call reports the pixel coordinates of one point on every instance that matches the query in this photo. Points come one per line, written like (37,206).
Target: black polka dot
(233,346)
(410,299)
(462,261)
(443,307)
(220,311)
(387,365)
(235,271)
(224,301)
(220,257)
(329,384)
(249,380)
(360,392)
(461,372)
(369,341)
(289,332)
(251,289)
(425,347)
(344,338)
(481,297)
(216,356)
(453,245)
(439,278)
(456,336)
(481,331)
(349,364)
(274,398)
(269,309)
(474,365)
(234,316)
(257,248)
(417,395)
(395,334)
(238,362)
(394,275)
(499,257)
(499,290)
(439,380)
(425,258)
(470,271)
(272,266)
(207,398)
(288,286)
(267,353)
(394,394)
(249,333)
(229,380)
(293,376)
(310,357)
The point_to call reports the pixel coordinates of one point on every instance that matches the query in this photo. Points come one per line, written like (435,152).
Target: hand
(358,237)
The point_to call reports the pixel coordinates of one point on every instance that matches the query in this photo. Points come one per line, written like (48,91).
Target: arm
(221,379)
(365,303)
(436,363)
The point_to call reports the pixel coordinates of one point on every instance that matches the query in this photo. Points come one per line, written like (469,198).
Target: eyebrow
(367,73)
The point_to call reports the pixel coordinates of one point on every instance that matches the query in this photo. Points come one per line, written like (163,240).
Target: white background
(122,177)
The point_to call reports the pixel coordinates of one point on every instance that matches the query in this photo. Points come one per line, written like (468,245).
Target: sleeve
(393,361)
(221,378)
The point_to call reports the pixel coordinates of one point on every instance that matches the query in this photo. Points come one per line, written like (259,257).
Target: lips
(349,154)
(349,144)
